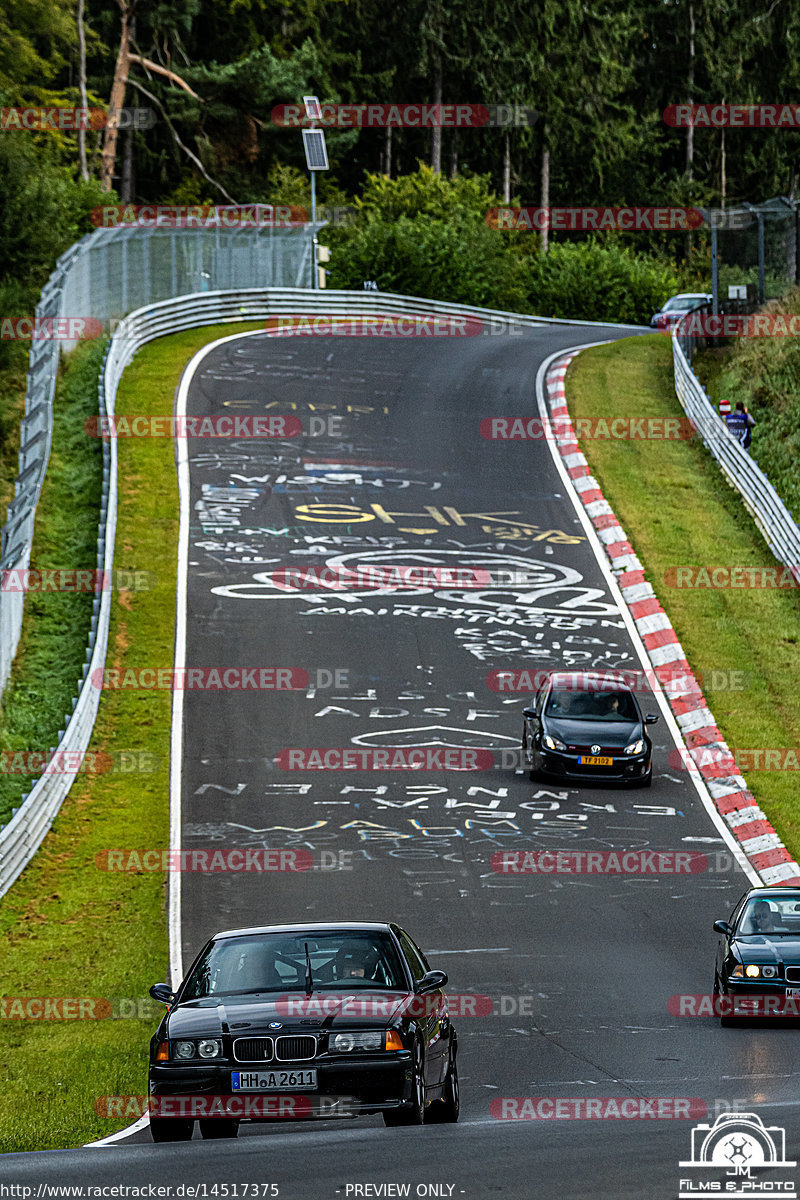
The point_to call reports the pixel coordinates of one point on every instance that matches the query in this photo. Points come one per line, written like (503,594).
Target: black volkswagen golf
(298,1021)
(588,726)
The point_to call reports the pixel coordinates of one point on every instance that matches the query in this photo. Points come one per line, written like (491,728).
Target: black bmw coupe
(758,953)
(587,726)
(298,1021)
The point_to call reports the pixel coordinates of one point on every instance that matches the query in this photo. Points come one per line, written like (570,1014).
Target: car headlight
(553,743)
(635,747)
(752,972)
(184,1050)
(343,1043)
(209,1048)
(737,972)
(769,972)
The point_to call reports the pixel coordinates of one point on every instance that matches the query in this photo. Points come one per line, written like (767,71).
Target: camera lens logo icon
(738,1140)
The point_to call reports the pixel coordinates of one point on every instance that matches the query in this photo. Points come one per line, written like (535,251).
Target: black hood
(246,1016)
(612,734)
(761,948)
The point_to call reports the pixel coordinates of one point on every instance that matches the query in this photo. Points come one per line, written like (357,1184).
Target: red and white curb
(704,742)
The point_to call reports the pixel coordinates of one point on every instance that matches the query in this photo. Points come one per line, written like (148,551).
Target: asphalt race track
(579,969)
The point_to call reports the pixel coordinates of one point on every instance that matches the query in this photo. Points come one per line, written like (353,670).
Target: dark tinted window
(591,705)
(276,962)
(778,915)
(415,961)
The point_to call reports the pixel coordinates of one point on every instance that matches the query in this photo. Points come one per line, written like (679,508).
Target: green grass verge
(46,671)
(677,509)
(67,928)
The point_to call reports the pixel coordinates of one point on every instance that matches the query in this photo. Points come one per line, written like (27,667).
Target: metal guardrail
(760,498)
(21,837)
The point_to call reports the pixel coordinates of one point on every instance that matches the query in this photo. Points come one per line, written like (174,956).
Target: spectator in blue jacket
(741,424)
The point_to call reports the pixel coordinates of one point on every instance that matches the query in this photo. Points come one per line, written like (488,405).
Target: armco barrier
(21,837)
(765,505)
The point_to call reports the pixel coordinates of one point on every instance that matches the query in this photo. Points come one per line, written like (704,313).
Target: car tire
(218,1128)
(445,1111)
(725,1021)
(167,1129)
(414,1114)
(528,761)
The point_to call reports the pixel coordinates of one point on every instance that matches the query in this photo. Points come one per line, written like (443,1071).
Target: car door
(724,942)
(535,726)
(435,1021)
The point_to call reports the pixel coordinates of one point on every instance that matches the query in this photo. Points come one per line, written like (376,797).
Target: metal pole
(314,278)
(714,272)
(761,288)
(124,306)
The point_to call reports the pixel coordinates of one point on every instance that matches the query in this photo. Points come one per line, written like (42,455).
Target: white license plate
(272,1081)
(590,760)
(793,991)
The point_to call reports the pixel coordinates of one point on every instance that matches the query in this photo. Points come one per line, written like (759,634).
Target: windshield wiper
(309,977)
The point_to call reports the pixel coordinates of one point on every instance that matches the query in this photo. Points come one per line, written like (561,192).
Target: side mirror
(162,992)
(722,927)
(430,982)
(529,712)
(650,719)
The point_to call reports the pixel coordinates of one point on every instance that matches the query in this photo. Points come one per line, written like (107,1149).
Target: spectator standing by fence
(741,424)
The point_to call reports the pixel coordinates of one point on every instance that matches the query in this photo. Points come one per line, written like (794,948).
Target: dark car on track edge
(758,952)
(587,726)
(345,1019)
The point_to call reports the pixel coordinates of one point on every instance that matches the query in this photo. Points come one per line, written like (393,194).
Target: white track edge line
(600,555)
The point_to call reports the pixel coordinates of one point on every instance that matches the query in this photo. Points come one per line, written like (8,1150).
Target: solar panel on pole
(316,150)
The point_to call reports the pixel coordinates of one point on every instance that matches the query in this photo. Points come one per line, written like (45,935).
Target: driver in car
(356,961)
(762,919)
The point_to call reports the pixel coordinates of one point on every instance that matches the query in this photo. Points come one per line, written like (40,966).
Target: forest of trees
(598,75)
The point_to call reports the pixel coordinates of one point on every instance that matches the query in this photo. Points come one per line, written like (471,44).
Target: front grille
(256,1049)
(295,1048)
(616,751)
(793,974)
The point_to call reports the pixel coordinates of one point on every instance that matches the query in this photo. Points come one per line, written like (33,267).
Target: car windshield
(591,706)
(778,915)
(276,962)
(681,303)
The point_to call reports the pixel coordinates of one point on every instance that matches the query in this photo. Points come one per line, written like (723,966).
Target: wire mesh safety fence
(124,268)
(759,245)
